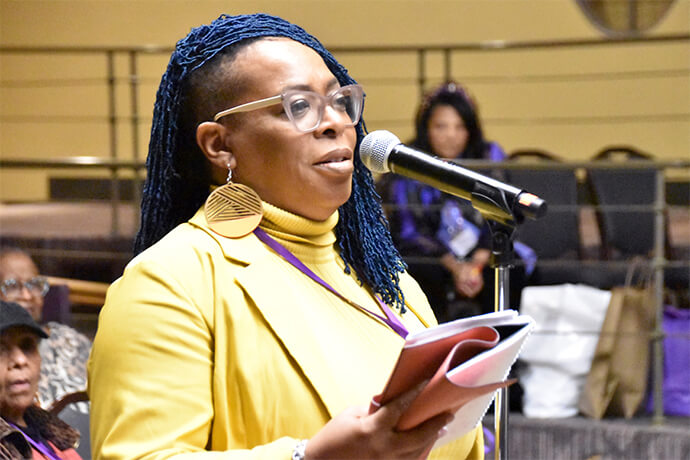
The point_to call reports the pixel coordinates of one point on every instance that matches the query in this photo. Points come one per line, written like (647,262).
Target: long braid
(364,237)
(170,199)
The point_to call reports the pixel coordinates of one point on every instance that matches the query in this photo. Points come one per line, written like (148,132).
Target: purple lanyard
(391,320)
(39,446)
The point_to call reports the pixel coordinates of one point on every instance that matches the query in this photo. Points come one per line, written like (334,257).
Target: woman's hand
(355,434)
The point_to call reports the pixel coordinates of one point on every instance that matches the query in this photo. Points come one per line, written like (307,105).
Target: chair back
(557,234)
(624,232)
(57,306)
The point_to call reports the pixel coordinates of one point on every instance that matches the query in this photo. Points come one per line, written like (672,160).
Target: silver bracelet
(298,451)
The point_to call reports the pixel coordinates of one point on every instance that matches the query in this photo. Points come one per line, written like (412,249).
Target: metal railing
(423,76)
(132,56)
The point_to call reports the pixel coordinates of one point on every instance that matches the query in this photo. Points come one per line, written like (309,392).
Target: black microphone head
(375,148)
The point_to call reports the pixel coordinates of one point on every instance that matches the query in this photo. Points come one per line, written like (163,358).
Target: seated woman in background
(426,222)
(65,352)
(26,430)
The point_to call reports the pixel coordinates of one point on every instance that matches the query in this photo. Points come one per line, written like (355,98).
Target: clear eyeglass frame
(37,286)
(348,99)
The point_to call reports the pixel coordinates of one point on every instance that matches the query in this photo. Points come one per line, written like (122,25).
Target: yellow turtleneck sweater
(211,347)
(313,243)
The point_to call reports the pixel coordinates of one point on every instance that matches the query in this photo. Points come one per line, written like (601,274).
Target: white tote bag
(558,355)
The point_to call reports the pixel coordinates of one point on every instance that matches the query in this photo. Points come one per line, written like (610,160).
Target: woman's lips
(339,160)
(19,386)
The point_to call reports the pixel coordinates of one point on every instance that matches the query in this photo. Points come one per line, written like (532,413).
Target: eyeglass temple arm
(261,103)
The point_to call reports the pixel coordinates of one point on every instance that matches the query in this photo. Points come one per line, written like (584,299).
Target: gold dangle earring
(233,210)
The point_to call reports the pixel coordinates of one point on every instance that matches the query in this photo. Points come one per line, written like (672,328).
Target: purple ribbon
(391,319)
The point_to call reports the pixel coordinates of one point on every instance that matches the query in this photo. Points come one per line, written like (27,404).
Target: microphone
(381,151)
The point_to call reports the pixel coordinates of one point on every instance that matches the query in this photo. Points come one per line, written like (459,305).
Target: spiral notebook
(465,361)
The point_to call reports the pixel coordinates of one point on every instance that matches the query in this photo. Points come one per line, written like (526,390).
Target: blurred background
(570,78)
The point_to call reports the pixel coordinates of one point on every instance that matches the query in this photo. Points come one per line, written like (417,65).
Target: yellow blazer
(214,344)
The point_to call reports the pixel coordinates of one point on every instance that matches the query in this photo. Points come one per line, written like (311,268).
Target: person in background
(427,223)
(26,430)
(65,352)
(266,305)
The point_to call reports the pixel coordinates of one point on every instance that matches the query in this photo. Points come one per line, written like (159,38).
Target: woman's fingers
(390,413)
(416,441)
(356,434)
(428,432)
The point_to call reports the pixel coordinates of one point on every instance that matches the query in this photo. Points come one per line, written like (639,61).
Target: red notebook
(465,360)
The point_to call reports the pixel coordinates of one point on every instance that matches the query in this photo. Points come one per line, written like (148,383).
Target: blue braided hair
(178,176)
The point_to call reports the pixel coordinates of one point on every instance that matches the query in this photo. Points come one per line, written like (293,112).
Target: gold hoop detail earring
(233,210)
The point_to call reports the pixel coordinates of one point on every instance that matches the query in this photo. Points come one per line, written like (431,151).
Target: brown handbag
(617,380)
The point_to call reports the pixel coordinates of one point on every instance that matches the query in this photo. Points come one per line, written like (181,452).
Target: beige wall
(571,101)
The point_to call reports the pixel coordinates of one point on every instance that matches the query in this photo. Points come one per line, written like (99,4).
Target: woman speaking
(267,304)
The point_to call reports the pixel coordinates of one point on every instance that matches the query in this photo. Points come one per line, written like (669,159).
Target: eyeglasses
(305,108)
(37,286)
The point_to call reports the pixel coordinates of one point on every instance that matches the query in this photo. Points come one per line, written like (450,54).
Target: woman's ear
(212,140)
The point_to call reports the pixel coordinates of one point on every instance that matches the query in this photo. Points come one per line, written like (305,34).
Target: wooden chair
(64,409)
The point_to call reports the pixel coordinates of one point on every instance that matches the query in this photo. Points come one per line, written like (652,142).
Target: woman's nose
(17,357)
(332,119)
(25,293)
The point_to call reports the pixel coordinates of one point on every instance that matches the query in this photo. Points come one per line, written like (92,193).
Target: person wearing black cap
(65,352)
(26,430)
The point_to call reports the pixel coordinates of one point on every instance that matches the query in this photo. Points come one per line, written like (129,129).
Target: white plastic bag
(568,319)
(549,393)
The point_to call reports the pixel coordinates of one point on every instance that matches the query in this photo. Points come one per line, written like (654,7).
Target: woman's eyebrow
(300,87)
(333,83)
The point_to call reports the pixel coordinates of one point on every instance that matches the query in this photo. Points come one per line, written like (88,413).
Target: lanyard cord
(391,320)
(38,445)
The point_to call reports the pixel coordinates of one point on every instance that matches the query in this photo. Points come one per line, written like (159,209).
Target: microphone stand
(502,220)
(502,258)
(503,212)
